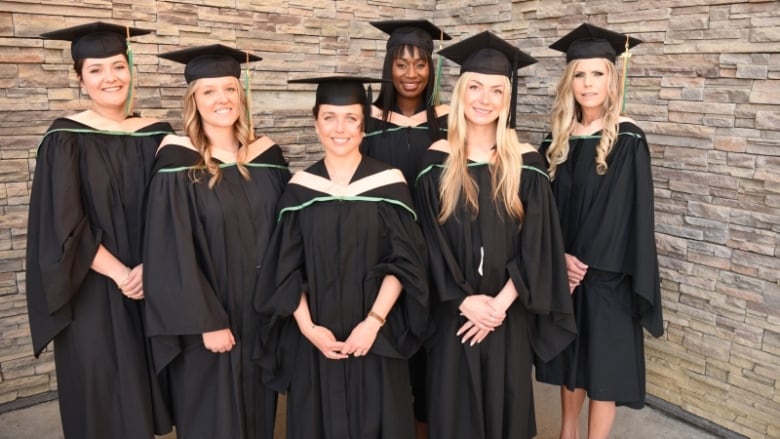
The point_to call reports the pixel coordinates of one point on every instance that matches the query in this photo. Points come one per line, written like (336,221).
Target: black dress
(88,190)
(202,250)
(337,244)
(485,391)
(401,141)
(607,222)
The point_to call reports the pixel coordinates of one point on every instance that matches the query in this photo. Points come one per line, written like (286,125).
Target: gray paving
(42,421)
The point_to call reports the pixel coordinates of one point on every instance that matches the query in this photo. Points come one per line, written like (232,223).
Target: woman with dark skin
(500,297)
(212,202)
(84,270)
(344,298)
(600,167)
(405,120)
(406,117)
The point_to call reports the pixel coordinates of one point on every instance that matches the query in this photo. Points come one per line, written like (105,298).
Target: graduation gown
(202,250)
(607,222)
(337,244)
(401,141)
(485,391)
(88,190)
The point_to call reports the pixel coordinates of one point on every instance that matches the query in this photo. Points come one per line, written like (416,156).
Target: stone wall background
(705,86)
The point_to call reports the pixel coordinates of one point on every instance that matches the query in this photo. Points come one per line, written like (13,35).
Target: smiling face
(411,72)
(590,83)
(106,80)
(340,128)
(218,101)
(484,98)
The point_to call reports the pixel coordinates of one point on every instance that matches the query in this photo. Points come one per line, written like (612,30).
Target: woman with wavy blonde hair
(600,168)
(210,213)
(499,292)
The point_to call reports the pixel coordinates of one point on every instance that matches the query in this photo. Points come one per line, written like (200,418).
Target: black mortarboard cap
(338,90)
(418,33)
(589,41)
(341,90)
(212,61)
(95,40)
(489,54)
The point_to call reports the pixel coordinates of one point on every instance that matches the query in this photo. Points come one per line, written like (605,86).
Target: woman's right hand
(576,271)
(324,340)
(219,341)
(477,309)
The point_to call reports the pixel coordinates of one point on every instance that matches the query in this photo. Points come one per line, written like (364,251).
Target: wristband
(377,317)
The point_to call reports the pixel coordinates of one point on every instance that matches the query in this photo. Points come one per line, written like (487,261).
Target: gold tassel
(626,55)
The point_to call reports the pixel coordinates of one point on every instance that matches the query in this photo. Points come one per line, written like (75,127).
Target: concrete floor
(42,421)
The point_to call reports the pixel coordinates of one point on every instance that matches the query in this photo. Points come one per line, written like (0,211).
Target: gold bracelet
(377,317)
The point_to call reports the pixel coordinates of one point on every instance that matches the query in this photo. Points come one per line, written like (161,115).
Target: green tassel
(436,95)
(131,65)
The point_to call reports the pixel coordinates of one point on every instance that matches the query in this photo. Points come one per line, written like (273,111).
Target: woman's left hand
(361,338)
(132,286)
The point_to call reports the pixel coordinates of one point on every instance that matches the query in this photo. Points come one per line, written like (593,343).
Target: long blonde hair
(193,128)
(457,183)
(566,111)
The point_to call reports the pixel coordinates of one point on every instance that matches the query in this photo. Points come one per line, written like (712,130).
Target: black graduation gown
(485,391)
(337,244)
(202,251)
(88,190)
(401,141)
(607,222)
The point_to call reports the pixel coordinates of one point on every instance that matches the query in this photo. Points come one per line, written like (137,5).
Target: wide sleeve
(404,257)
(281,282)
(62,244)
(645,277)
(449,282)
(538,270)
(180,298)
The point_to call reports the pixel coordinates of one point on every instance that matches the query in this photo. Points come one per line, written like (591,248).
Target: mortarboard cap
(589,41)
(213,61)
(95,40)
(418,33)
(489,54)
(338,90)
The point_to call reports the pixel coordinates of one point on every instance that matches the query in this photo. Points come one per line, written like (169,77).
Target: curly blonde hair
(566,112)
(457,183)
(193,128)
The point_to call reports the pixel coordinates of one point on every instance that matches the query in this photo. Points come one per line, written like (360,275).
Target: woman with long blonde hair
(210,213)
(499,296)
(599,163)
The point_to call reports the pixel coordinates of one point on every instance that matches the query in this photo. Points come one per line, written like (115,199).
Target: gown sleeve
(281,282)
(538,271)
(62,243)
(405,258)
(645,276)
(180,300)
(449,282)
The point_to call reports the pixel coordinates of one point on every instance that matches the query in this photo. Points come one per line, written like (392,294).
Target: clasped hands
(484,314)
(357,344)
(131,284)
